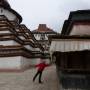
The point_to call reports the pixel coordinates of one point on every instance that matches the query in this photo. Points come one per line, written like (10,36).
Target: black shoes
(41,82)
(33,80)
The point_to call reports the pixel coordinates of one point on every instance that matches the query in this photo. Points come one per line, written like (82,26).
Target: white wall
(46,38)
(10,62)
(22,37)
(39,60)
(17,62)
(80,30)
(8,14)
(10,42)
(35,61)
(37,36)
(25,62)
(5,31)
(29,47)
(37,49)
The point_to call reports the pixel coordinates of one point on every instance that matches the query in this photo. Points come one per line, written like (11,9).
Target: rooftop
(42,28)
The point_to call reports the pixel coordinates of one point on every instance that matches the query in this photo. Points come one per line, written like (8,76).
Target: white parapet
(17,63)
(10,62)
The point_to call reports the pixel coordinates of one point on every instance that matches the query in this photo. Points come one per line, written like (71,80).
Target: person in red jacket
(40,67)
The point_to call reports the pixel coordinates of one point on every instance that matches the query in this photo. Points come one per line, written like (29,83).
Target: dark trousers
(38,73)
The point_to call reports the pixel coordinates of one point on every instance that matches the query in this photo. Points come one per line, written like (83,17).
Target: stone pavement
(23,80)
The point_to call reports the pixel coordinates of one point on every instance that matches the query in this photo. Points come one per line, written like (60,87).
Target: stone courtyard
(23,80)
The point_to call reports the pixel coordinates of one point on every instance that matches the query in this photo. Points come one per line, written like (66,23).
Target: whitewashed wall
(35,61)
(10,62)
(5,31)
(39,60)
(25,62)
(8,14)
(37,49)
(37,36)
(80,30)
(22,38)
(17,62)
(29,47)
(10,42)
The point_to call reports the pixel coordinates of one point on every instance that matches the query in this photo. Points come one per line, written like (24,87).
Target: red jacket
(41,66)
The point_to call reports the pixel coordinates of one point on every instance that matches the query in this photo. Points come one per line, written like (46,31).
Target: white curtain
(66,45)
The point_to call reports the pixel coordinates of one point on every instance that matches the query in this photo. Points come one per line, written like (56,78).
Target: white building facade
(41,34)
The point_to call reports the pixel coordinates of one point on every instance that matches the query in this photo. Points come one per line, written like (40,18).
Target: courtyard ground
(23,80)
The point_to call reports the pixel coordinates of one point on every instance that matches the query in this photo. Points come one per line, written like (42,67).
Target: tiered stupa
(18,47)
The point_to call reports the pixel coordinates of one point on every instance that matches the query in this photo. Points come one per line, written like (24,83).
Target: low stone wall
(10,63)
(16,63)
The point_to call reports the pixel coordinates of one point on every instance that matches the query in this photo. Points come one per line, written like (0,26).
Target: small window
(1,10)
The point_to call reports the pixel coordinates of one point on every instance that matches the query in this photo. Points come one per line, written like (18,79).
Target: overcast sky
(50,12)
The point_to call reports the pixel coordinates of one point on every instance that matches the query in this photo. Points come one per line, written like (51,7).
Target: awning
(67,45)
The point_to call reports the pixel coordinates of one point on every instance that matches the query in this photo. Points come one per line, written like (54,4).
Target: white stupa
(18,47)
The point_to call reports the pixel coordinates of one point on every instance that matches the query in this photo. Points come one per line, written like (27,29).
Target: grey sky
(50,12)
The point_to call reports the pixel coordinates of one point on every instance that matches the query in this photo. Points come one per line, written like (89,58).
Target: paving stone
(23,80)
